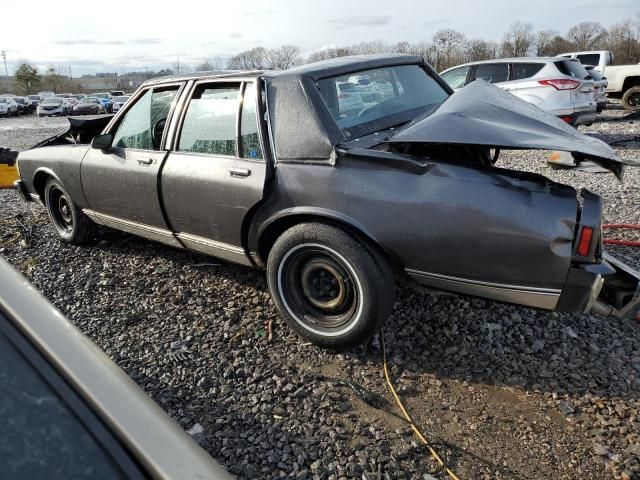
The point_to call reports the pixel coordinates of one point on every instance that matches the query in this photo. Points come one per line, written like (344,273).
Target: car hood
(485,115)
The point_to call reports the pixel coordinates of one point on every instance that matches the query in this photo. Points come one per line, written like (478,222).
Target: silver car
(558,85)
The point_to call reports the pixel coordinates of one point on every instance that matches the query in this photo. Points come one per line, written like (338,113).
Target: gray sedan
(275,170)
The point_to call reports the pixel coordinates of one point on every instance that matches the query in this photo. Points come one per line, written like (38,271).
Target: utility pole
(70,77)
(4,58)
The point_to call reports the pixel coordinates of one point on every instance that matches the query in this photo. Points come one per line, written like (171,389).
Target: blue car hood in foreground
(483,114)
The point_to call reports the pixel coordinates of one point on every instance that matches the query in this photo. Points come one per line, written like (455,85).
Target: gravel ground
(542,394)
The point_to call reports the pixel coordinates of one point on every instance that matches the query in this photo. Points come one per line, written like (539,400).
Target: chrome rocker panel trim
(546,298)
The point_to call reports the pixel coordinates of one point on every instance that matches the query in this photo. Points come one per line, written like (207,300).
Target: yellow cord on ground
(415,429)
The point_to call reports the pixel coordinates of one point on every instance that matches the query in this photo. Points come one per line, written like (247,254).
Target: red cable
(627,226)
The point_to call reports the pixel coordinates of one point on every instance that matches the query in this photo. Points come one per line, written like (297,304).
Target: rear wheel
(631,99)
(329,287)
(71,224)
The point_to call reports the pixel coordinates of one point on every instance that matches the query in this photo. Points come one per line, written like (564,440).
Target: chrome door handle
(239,172)
(145,161)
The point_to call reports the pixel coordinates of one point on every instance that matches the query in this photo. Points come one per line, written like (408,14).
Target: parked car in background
(338,207)
(118,102)
(623,81)
(70,412)
(117,93)
(53,107)
(600,84)
(88,106)
(106,100)
(24,107)
(71,101)
(78,96)
(34,100)
(350,102)
(557,85)
(46,94)
(8,107)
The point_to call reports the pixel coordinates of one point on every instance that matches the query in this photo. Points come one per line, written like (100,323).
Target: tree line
(446,48)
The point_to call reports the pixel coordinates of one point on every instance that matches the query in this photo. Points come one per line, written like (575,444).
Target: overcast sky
(121,35)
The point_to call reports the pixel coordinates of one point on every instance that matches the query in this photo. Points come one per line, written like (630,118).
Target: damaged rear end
(481,117)
(597,282)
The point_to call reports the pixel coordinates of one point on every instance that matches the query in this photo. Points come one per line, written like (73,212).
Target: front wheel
(330,288)
(631,99)
(71,224)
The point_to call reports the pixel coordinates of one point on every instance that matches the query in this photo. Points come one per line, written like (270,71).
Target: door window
(456,77)
(525,70)
(249,139)
(143,124)
(210,122)
(492,72)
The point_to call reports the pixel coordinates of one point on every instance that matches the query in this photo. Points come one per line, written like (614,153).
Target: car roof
(512,60)
(323,68)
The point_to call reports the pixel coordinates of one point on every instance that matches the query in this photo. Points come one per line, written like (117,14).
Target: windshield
(102,95)
(371,100)
(3,100)
(18,100)
(52,101)
(121,99)
(34,97)
(89,100)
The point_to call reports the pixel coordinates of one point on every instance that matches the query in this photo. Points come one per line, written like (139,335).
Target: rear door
(121,184)
(216,171)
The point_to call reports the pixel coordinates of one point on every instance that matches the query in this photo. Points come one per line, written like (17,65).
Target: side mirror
(102,142)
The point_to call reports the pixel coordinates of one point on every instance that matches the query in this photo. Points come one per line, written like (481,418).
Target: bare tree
(543,42)
(327,53)
(283,57)
(587,35)
(477,49)
(449,48)
(518,40)
(254,59)
(624,42)
(209,64)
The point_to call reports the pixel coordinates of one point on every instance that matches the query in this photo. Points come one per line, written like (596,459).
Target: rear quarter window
(572,68)
(521,71)
(589,59)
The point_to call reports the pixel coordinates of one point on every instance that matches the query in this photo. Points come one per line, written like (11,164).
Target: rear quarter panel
(491,225)
(59,161)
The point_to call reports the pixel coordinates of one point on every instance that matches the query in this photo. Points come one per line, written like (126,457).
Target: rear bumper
(608,288)
(580,118)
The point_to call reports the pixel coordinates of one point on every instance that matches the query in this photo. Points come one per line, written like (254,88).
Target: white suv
(558,85)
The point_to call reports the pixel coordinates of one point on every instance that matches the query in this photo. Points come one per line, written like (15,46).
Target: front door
(121,183)
(216,172)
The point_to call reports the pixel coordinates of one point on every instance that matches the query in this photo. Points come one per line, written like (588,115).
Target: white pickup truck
(624,80)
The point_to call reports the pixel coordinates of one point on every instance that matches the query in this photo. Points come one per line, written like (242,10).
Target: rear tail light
(561,83)
(566,119)
(584,242)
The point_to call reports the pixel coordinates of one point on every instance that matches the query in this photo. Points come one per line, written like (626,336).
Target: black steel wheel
(631,99)
(70,223)
(330,288)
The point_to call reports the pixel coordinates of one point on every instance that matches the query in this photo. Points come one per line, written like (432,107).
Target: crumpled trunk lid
(484,115)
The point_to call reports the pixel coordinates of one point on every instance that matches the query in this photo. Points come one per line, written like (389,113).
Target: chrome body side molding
(546,298)
(217,249)
(221,250)
(147,231)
